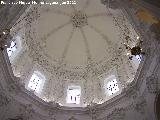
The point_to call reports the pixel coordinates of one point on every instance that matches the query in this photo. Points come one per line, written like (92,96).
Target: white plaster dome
(73,34)
(80,44)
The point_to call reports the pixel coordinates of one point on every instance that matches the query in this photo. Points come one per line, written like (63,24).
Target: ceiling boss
(79,19)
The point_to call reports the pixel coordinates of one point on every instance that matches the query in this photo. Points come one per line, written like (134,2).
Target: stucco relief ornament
(32,15)
(117,114)
(79,19)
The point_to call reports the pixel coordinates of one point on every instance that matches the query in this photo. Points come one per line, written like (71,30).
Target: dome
(77,51)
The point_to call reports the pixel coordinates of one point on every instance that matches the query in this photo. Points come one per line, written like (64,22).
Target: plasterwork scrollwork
(131,93)
(32,39)
(136,106)
(116,114)
(61,70)
(127,33)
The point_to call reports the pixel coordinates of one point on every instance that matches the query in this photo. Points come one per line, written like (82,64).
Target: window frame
(41,77)
(136,62)
(17,40)
(11,48)
(108,79)
(67,83)
(73,87)
(105,78)
(106,82)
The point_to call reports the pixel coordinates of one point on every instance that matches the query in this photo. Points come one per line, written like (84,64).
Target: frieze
(46,62)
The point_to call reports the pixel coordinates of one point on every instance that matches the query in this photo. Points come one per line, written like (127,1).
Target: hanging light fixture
(134,51)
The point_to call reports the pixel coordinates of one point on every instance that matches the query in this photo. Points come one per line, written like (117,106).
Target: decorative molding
(117,114)
(58,68)
(79,19)
(152,84)
(140,106)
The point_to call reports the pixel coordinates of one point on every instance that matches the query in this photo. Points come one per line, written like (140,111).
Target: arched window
(139,58)
(73,94)
(12,48)
(112,86)
(36,82)
(136,61)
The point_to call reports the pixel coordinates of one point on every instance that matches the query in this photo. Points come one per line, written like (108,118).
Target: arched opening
(158,107)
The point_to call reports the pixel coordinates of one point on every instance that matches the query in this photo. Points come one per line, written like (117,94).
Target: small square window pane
(35,83)
(73,95)
(139,58)
(12,48)
(112,87)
